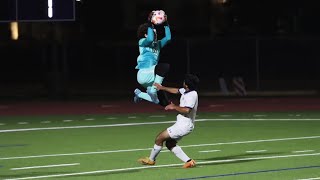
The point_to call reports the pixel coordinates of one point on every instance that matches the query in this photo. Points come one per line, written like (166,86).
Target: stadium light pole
(50,9)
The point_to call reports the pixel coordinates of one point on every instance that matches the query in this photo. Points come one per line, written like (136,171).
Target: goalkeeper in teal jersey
(150,71)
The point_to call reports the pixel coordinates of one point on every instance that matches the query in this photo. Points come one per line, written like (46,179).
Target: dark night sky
(190,19)
(103,35)
(187,17)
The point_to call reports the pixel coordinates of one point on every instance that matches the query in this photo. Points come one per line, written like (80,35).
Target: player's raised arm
(147,35)
(167,38)
(168,89)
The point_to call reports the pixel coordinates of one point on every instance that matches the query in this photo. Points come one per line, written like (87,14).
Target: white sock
(179,153)
(158,79)
(154,152)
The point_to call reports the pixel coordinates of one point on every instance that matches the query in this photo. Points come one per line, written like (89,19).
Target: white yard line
(78,127)
(316,178)
(256,151)
(259,115)
(45,122)
(46,166)
(144,149)
(67,120)
(89,119)
(225,115)
(159,166)
(303,151)
(214,150)
(23,123)
(144,123)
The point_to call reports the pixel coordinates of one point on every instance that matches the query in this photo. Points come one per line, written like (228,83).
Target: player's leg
(177,151)
(161,70)
(139,95)
(163,98)
(157,147)
(145,78)
(177,132)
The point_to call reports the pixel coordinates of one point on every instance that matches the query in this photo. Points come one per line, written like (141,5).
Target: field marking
(45,122)
(46,166)
(23,123)
(249,172)
(310,178)
(89,119)
(143,123)
(111,118)
(78,127)
(254,141)
(303,151)
(144,149)
(214,150)
(159,166)
(225,115)
(256,151)
(259,115)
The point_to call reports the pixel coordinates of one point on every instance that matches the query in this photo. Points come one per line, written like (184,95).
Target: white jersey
(189,99)
(185,122)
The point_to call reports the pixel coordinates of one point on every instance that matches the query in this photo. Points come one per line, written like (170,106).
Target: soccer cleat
(146,161)
(190,164)
(136,98)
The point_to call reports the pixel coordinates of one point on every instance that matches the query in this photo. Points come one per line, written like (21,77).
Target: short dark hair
(142,30)
(191,81)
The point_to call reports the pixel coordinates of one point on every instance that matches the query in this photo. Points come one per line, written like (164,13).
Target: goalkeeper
(150,71)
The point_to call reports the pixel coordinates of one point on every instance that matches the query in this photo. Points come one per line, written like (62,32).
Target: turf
(246,145)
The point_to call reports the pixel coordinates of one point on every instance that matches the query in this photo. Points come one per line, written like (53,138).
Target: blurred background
(63,49)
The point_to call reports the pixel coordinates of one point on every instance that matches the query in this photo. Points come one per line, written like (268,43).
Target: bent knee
(171,144)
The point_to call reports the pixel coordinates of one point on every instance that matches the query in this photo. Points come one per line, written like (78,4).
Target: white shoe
(136,98)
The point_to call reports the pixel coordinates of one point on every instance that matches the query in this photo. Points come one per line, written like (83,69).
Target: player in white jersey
(185,122)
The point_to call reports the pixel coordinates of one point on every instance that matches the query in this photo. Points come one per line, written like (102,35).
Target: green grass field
(245,146)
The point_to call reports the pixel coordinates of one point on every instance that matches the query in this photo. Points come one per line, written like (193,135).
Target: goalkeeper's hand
(149,20)
(166,23)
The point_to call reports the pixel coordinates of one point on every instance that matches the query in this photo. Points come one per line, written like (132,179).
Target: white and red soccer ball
(158,17)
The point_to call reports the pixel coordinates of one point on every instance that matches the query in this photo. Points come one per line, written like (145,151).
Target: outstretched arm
(149,39)
(171,106)
(181,110)
(167,38)
(168,89)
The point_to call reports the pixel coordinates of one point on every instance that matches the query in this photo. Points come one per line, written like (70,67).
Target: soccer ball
(158,17)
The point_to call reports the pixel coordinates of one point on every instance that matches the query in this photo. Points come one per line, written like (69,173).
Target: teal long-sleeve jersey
(150,50)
